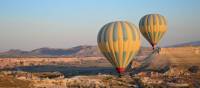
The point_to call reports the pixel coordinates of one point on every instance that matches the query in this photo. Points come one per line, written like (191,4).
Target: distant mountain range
(79,51)
(196,43)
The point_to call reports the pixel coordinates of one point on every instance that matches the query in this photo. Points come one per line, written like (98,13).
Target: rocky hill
(79,51)
(195,43)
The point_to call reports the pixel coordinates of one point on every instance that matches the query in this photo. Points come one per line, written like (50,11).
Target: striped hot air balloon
(153,27)
(119,42)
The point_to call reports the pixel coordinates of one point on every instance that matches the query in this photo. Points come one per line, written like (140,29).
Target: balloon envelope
(153,27)
(119,42)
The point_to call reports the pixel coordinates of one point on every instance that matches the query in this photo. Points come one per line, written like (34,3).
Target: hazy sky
(30,24)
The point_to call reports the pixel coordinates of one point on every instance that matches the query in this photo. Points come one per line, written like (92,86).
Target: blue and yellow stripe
(153,27)
(119,41)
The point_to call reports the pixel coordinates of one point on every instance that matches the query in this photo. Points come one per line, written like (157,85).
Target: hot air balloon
(119,42)
(153,27)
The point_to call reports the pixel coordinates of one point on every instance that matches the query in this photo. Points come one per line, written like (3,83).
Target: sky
(31,24)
